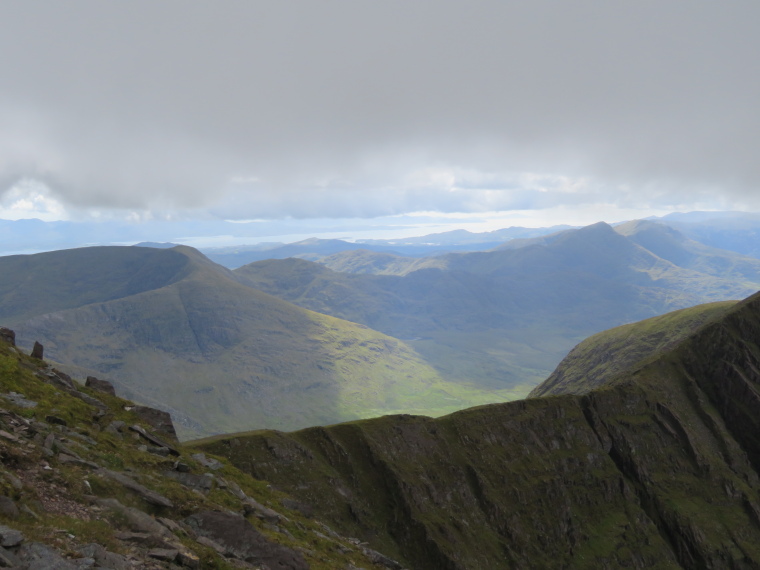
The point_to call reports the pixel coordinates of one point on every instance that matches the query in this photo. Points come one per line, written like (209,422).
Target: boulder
(37,350)
(146,494)
(159,420)
(100,385)
(7,335)
(240,539)
(10,536)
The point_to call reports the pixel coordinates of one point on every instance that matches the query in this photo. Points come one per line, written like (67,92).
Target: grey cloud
(333,104)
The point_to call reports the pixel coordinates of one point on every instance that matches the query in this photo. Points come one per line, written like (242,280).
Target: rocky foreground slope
(655,468)
(89,480)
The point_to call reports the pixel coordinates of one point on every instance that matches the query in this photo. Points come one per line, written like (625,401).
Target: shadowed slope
(657,470)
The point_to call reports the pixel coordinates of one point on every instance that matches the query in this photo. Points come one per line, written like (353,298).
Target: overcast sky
(260,109)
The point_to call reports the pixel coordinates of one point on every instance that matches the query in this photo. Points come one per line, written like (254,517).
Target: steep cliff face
(658,469)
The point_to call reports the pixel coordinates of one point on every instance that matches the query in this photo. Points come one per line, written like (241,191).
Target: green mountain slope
(500,319)
(224,357)
(659,469)
(609,354)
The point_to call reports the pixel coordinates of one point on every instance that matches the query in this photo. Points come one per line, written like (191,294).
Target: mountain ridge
(655,470)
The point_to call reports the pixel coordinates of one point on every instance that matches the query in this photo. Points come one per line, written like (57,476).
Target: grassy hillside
(660,469)
(610,354)
(225,357)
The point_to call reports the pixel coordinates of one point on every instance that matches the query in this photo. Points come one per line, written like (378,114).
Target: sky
(478,114)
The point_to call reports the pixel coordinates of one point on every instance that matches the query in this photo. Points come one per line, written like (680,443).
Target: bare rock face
(159,420)
(241,540)
(37,350)
(7,335)
(100,385)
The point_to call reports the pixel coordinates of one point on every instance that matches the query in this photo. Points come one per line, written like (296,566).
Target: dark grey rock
(164,554)
(10,536)
(209,462)
(146,494)
(19,400)
(87,399)
(56,420)
(105,559)
(37,350)
(100,385)
(240,539)
(136,519)
(61,378)
(153,439)
(203,483)
(159,420)
(7,335)
(8,559)
(37,556)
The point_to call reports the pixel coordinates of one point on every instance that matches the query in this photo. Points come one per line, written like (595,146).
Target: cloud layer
(341,108)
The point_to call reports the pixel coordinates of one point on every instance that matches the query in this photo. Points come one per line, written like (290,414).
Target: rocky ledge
(89,480)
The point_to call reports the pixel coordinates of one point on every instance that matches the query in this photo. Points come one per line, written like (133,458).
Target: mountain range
(640,450)
(290,343)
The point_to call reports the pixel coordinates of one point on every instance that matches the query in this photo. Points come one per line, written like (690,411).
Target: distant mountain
(734,231)
(169,326)
(505,318)
(657,467)
(324,250)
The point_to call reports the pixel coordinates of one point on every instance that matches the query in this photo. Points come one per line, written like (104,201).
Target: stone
(8,559)
(240,539)
(164,554)
(153,439)
(37,350)
(7,335)
(10,537)
(116,427)
(159,420)
(203,483)
(103,558)
(62,379)
(209,462)
(19,400)
(100,385)
(136,519)
(146,494)
(8,508)
(87,399)
(38,556)
(64,458)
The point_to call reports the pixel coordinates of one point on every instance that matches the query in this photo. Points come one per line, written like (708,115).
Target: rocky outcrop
(100,385)
(86,483)
(240,540)
(658,470)
(8,336)
(37,350)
